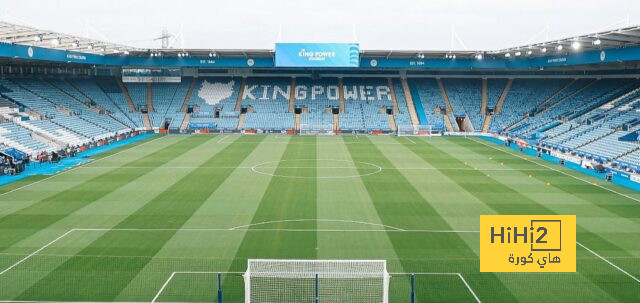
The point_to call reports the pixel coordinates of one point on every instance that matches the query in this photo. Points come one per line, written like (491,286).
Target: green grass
(169,205)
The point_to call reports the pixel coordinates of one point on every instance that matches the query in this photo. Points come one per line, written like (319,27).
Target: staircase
(298,122)
(240,95)
(292,95)
(566,97)
(443,92)
(94,108)
(447,123)
(147,121)
(483,107)
(79,90)
(187,98)
(241,121)
(341,94)
(150,98)
(394,100)
(486,124)
(503,96)
(557,93)
(336,122)
(407,96)
(392,123)
(185,122)
(125,92)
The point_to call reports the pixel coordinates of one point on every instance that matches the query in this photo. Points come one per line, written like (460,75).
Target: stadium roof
(25,35)
(617,38)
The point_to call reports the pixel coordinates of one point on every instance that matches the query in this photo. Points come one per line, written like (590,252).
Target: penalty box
(186,252)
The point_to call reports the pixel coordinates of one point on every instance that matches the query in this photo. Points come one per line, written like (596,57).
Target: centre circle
(316,168)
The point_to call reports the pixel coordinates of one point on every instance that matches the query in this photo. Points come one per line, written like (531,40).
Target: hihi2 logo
(527,243)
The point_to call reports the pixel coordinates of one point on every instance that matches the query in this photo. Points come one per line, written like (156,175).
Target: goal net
(316,129)
(414,130)
(317,281)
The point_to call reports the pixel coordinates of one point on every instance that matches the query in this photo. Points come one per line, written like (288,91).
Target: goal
(316,129)
(414,130)
(316,281)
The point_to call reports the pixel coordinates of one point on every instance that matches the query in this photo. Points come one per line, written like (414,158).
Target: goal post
(316,281)
(414,130)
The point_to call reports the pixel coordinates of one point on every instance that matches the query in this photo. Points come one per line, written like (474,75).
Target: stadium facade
(578,98)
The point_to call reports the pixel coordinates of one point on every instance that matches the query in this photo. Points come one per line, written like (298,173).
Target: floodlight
(576,45)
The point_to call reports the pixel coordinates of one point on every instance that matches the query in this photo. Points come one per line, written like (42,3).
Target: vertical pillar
(219,288)
(413,288)
(317,296)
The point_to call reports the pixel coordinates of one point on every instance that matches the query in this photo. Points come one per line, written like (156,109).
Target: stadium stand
(432,102)
(316,99)
(465,96)
(585,117)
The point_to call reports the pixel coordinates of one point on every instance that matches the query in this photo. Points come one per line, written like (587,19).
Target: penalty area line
(232,229)
(35,252)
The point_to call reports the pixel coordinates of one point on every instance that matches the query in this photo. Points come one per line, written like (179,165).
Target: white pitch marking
(280,230)
(556,170)
(163,287)
(469,287)
(413,142)
(459,275)
(322,167)
(609,262)
(317,220)
(580,179)
(35,252)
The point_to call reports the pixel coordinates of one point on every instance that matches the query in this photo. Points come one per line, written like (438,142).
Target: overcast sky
(375,24)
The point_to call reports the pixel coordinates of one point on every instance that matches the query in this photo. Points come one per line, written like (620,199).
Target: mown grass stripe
(29,220)
(617,204)
(507,201)
(35,178)
(99,279)
(284,199)
(400,204)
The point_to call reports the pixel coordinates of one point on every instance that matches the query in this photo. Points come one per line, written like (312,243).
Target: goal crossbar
(320,280)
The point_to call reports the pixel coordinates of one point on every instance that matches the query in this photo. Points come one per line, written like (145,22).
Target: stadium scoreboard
(317,55)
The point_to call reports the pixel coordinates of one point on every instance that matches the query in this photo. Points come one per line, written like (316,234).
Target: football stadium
(318,171)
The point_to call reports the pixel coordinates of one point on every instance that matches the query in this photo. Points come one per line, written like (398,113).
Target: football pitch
(159,219)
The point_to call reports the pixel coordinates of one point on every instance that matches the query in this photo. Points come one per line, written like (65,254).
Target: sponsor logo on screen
(528,243)
(317,54)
